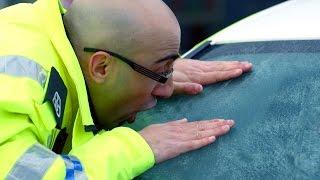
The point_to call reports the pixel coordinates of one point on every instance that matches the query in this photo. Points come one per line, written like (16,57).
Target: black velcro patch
(57,95)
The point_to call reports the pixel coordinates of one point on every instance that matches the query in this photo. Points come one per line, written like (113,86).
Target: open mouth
(130,119)
(150,105)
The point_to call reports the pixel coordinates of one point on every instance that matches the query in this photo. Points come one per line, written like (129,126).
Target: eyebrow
(167,58)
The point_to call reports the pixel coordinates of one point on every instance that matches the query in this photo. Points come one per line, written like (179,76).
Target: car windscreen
(276,108)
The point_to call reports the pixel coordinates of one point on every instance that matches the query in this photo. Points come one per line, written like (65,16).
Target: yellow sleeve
(118,154)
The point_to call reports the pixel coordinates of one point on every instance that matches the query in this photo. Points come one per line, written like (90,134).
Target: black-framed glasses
(159,77)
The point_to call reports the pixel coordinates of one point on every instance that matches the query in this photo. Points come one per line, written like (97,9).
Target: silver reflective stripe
(74,168)
(20,66)
(33,164)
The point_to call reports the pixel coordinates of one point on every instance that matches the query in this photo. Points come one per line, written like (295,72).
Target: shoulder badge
(56,94)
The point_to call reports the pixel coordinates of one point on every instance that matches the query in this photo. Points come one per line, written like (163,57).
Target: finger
(246,66)
(217,120)
(224,65)
(229,122)
(212,65)
(181,121)
(187,88)
(217,76)
(218,131)
(208,124)
(196,144)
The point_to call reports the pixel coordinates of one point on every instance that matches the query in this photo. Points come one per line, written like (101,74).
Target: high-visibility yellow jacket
(42,94)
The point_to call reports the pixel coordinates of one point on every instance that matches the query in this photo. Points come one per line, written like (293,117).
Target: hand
(190,75)
(171,139)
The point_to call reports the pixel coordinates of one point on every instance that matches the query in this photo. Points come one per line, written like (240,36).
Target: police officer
(68,79)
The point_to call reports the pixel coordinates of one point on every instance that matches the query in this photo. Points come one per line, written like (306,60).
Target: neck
(66,3)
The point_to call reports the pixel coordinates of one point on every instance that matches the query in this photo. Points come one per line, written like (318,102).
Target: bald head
(128,27)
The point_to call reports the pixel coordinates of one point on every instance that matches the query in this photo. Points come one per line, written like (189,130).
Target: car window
(276,108)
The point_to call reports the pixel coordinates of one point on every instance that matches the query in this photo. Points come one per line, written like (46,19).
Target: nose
(163,90)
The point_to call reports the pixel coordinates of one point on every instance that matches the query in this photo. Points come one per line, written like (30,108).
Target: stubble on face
(142,30)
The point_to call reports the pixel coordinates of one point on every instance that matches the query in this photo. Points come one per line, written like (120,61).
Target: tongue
(131,119)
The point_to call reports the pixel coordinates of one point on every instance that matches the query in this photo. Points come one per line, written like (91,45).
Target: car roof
(291,20)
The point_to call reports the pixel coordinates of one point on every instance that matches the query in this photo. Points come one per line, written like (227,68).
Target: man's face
(128,92)
(143,31)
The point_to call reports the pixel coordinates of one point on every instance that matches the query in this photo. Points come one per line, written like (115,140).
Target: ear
(66,3)
(99,66)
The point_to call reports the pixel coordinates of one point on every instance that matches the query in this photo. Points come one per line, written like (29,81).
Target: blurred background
(202,18)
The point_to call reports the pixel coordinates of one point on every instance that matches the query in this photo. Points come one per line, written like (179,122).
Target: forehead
(154,40)
(161,47)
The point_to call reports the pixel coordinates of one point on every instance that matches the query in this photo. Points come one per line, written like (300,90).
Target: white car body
(291,20)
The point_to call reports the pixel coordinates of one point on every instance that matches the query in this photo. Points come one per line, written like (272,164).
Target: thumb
(187,88)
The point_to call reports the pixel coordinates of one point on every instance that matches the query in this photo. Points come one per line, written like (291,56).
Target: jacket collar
(51,11)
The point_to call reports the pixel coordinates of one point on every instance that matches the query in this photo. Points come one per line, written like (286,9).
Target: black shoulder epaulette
(56,94)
